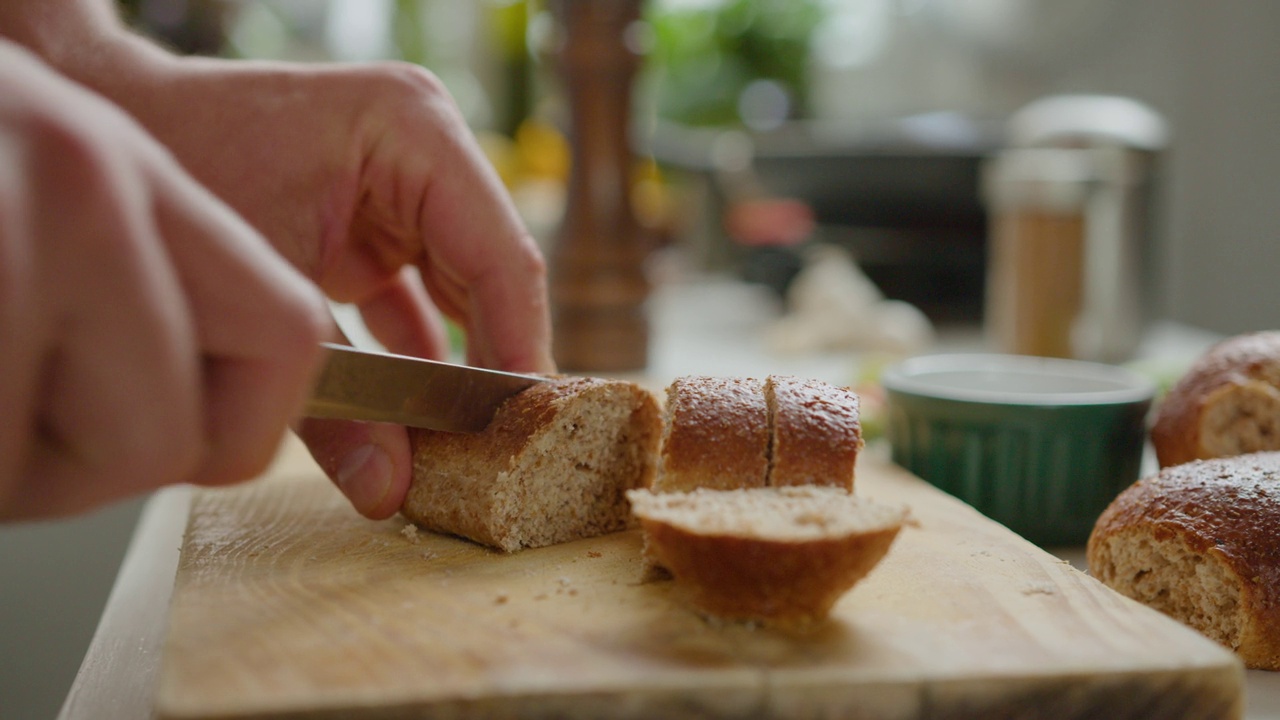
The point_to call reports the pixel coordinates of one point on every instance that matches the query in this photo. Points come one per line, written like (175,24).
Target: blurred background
(775,136)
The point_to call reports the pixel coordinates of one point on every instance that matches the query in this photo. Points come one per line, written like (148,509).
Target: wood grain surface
(289,605)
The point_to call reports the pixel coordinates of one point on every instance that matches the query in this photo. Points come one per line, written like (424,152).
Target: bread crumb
(410,531)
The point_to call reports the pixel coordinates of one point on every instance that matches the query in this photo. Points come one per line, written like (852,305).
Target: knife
(381,387)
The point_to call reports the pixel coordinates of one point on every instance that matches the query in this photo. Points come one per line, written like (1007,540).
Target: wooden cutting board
(288,604)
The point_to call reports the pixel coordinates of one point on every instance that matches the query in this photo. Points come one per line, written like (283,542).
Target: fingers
(369,462)
(507,318)
(431,197)
(492,258)
(402,317)
(115,407)
(169,343)
(259,326)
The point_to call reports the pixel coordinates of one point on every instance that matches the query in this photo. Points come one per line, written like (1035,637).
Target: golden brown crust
(1223,511)
(1236,368)
(531,478)
(816,432)
(755,575)
(716,434)
(739,578)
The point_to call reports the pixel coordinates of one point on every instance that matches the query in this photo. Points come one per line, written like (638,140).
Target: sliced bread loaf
(729,433)
(715,434)
(553,466)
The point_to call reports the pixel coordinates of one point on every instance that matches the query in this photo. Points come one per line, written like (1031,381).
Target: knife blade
(382,387)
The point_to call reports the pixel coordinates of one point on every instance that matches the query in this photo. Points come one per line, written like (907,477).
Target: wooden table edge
(117,677)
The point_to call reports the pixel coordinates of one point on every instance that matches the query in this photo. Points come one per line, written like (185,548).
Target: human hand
(147,334)
(368,180)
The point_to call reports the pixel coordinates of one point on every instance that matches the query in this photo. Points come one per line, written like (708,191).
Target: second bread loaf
(1227,403)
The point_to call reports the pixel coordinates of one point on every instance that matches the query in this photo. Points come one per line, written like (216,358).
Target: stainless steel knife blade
(360,385)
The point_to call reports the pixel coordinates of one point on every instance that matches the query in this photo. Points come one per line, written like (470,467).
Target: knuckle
(82,182)
(152,454)
(66,150)
(530,258)
(308,322)
(163,441)
(415,80)
(413,91)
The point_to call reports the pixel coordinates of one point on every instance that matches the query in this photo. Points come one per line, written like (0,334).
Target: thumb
(371,463)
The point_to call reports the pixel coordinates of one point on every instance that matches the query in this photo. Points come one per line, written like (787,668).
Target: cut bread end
(1170,576)
(1226,404)
(1197,542)
(553,466)
(1241,418)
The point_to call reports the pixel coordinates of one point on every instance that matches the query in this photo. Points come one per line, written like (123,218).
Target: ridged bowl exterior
(1044,471)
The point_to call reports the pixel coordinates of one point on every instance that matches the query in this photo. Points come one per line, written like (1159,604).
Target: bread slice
(728,433)
(1198,542)
(715,434)
(1227,403)
(815,432)
(782,556)
(553,466)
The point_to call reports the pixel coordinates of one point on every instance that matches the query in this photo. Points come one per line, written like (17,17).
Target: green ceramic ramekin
(1041,445)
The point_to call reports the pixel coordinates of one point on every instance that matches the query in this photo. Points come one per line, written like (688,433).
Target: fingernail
(365,477)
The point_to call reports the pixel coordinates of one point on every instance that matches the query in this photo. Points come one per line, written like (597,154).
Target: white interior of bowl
(1017,379)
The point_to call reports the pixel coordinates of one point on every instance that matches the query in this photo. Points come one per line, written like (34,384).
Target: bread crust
(1223,512)
(1236,382)
(744,574)
(479,485)
(816,432)
(716,434)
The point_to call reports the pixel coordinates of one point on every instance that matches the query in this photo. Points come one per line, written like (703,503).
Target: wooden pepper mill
(598,286)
